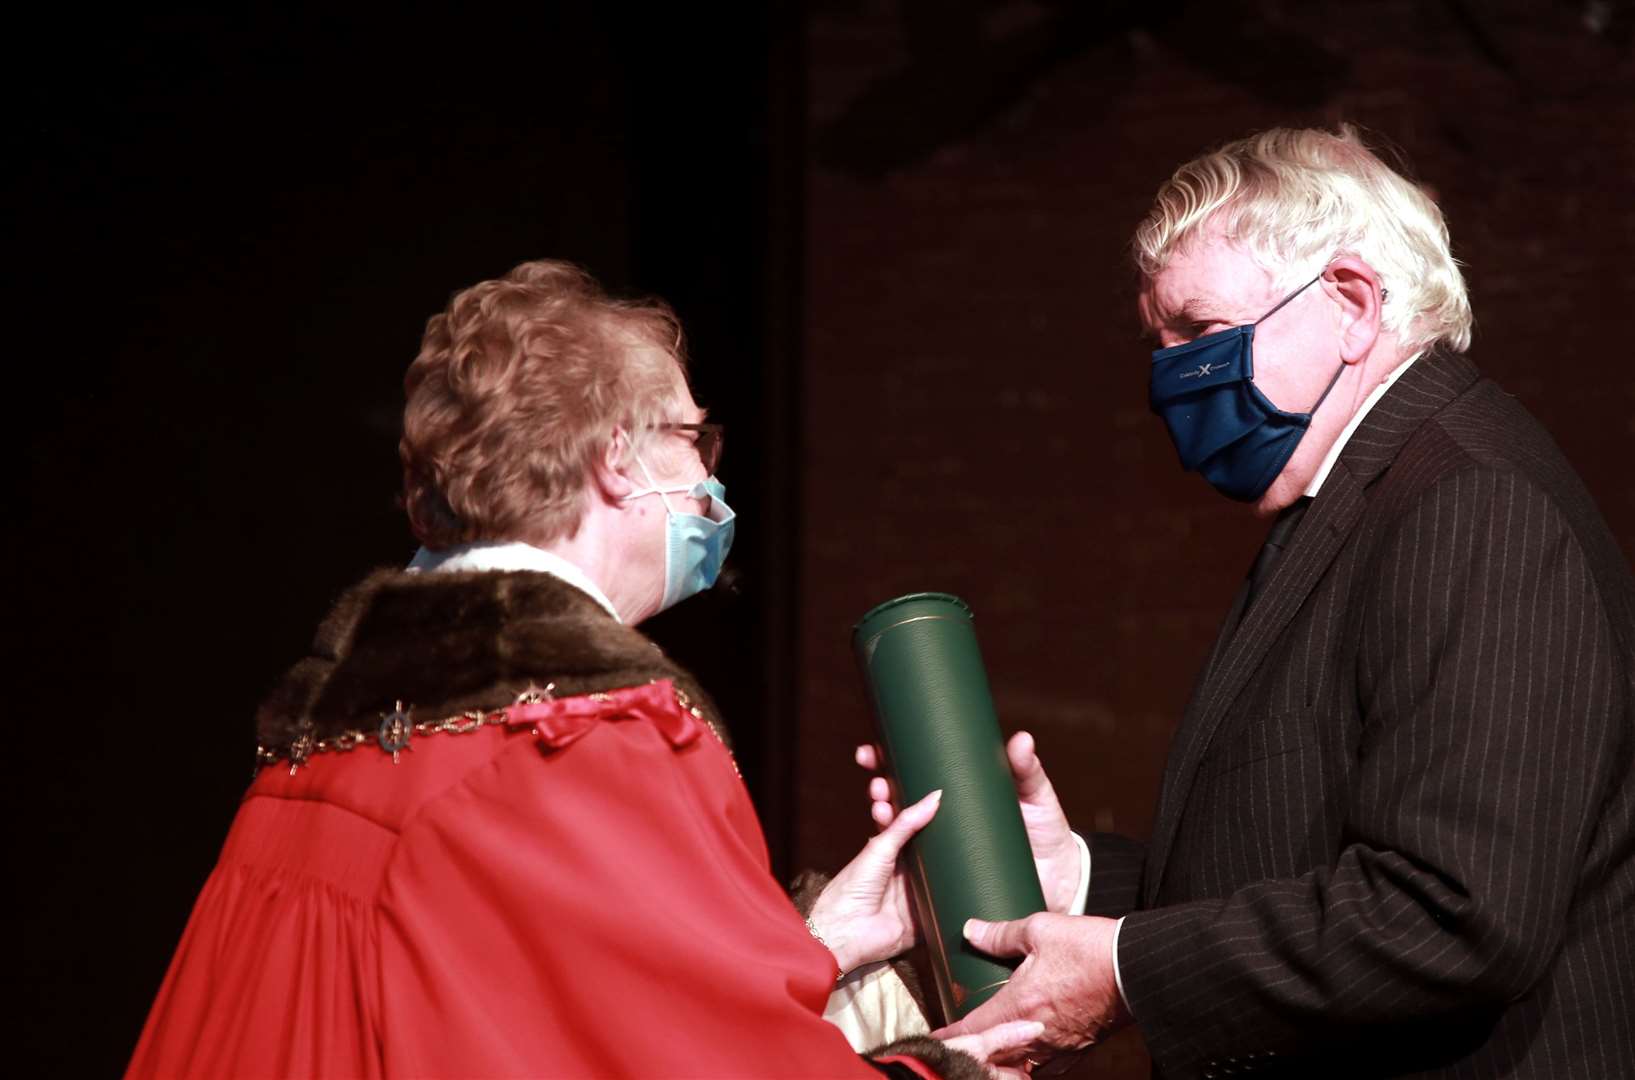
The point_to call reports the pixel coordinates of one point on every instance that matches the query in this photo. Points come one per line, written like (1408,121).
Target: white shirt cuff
(1082,897)
(1117,978)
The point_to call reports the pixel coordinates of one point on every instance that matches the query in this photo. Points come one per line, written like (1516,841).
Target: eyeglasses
(707,440)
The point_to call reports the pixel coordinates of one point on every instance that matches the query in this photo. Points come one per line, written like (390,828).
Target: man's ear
(608,469)
(1357,287)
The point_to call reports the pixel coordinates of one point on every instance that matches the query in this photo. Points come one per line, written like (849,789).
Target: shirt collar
(1356,420)
(510,555)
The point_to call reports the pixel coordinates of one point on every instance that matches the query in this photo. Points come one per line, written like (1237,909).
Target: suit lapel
(1223,639)
(1316,542)
(1419,393)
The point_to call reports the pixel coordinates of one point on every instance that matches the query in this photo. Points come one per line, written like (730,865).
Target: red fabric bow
(560,721)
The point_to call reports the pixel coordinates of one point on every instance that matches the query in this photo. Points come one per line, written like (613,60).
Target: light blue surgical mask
(695,545)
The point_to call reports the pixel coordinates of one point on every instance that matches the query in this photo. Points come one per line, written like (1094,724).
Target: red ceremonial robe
(577,888)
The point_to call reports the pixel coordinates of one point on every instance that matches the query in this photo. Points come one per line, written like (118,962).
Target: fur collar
(448,642)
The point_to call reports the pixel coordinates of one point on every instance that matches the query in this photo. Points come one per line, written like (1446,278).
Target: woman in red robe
(495,832)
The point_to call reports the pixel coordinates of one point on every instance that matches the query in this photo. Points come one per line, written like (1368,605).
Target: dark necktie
(1272,550)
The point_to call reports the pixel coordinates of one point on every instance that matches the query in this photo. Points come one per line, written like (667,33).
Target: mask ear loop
(1281,304)
(1337,373)
(652,488)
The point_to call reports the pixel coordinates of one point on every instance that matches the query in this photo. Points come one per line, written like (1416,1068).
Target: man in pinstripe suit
(1396,834)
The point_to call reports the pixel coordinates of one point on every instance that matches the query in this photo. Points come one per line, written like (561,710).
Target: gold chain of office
(397,729)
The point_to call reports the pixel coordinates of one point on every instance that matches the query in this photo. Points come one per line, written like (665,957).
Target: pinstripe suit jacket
(1397,828)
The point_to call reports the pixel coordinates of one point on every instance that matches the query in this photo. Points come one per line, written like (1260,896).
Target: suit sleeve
(1115,874)
(1490,702)
(601,910)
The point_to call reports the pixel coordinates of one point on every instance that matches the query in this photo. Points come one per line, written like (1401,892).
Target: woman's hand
(863,914)
(1055,853)
(999,1045)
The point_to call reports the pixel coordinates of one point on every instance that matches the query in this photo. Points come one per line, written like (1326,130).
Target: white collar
(510,555)
(1351,427)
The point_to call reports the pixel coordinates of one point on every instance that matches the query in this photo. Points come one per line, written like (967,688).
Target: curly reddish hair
(518,387)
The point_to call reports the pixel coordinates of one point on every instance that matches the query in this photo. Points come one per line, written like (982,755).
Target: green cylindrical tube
(936,721)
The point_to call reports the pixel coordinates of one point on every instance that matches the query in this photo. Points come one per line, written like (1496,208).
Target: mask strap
(1338,372)
(652,488)
(1281,304)
(1284,302)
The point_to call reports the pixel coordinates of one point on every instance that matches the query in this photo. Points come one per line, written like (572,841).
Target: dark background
(894,230)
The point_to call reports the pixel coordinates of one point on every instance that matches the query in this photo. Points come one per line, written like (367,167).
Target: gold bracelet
(811,928)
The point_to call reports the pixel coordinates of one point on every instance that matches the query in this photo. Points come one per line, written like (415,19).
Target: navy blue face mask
(1223,426)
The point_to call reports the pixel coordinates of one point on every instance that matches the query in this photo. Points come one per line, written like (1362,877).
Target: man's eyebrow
(1193,308)
(1196,309)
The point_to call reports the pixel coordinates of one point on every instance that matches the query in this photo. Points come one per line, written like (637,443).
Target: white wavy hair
(1295,199)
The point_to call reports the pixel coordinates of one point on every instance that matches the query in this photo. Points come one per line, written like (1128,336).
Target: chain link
(304,745)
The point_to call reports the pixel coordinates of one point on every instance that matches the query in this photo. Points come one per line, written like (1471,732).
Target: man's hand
(863,914)
(1054,852)
(1064,982)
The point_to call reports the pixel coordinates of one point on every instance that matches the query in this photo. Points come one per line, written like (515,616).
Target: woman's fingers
(881,808)
(1002,1041)
(1011,1036)
(912,819)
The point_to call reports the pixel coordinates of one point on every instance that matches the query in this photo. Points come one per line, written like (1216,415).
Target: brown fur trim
(950,1064)
(444,643)
(911,982)
(805,889)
